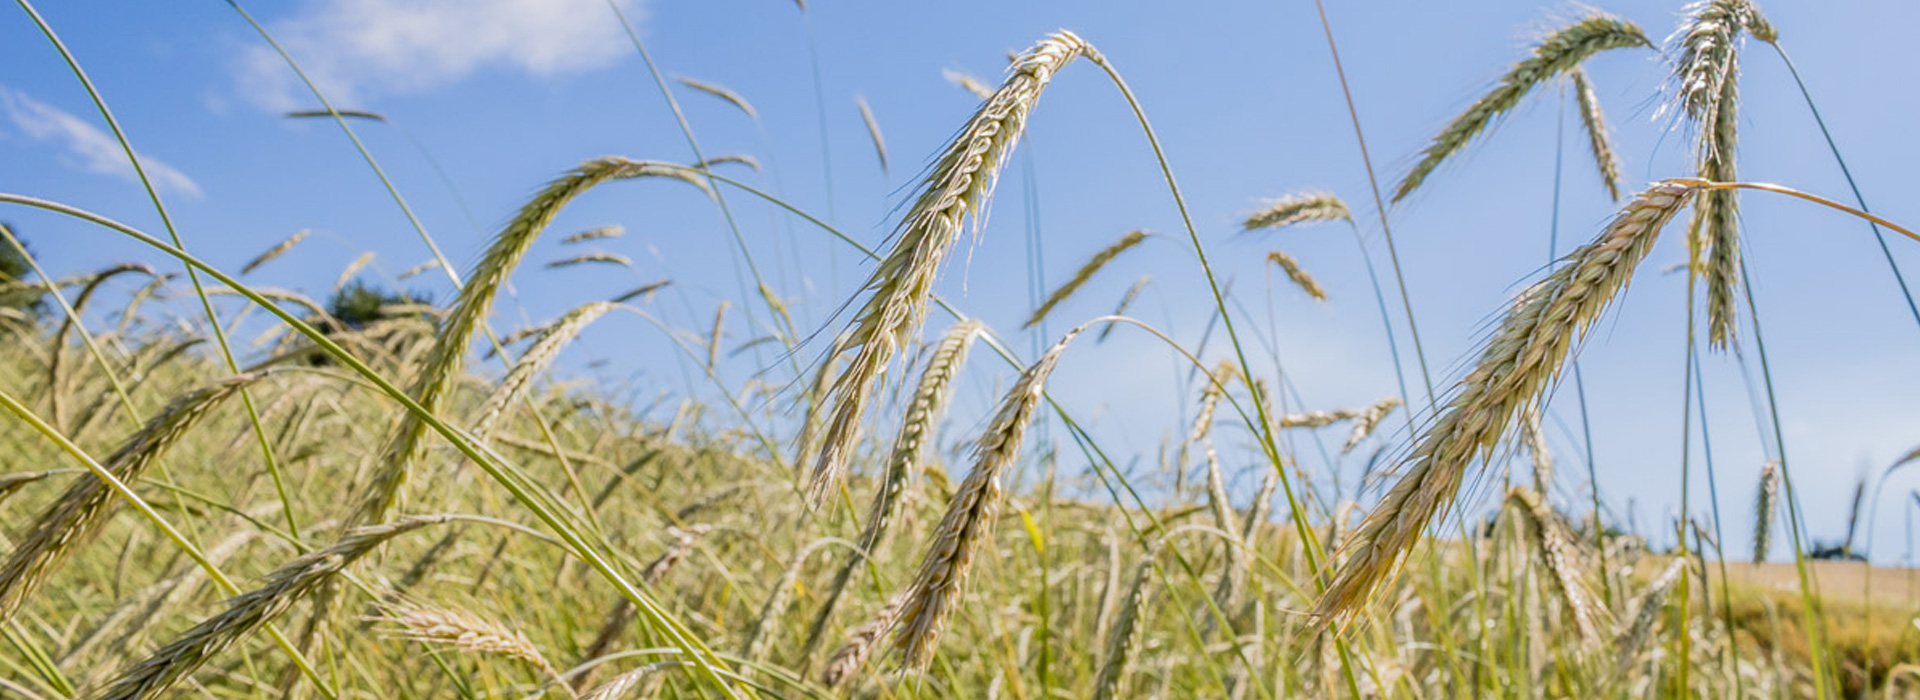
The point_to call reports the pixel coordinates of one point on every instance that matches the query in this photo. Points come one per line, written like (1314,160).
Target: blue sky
(490,99)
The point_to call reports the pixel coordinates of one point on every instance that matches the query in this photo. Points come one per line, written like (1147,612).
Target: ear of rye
(1518,364)
(1560,52)
(956,190)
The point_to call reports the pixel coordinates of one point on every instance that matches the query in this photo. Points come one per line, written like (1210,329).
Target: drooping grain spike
(248,612)
(596,233)
(1301,208)
(1561,557)
(552,338)
(1594,122)
(1369,421)
(1300,278)
(1123,640)
(930,399)
(1085,273)
(942,576)
(956,190)
(600,257)
(443,364)
(722,92)
(80,513)
(277,250)
(1558,53)
(873,130)
(1520,362)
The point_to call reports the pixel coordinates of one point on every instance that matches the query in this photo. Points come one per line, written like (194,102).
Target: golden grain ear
(1085,273)
(956,191)
(941,579)
(1301,208)
(1519,363)
(78,515)
(1706,71)
(910,444)
(1560,52)
(437,378)
(249,611)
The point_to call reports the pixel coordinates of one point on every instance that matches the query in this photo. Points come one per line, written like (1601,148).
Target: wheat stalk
(600,257)
(436,379)
(620,686)
(277,250)
(861,642)
(595,233)
(765,629)
(1536,439)
(1126,302)
(929,402)
(1559,52)
(1561,558)
(1764,504)
(641,291)
(1369,421)
(1085,273)
(1594,122)
(942,576)
(352,268)
(873,130)
(1123,640)
(81,511)
(967,82)
(11,483)
(1299,276)
(713,337)
(1210,395)
(624,612)
(734,158)
(1321,419)
(1643,613)
(251,610)
(1301,208)
(536,359)
(461,629)
(417,270)
(957,189)
(1706,76)
(1520,362)
(721,91)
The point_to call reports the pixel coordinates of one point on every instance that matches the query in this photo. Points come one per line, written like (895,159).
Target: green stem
(1878,237)
(1814,619)
(529,493)
(166,220)
(179,539)
(1379,205)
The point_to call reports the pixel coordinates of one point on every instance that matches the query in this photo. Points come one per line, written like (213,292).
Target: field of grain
(212,486)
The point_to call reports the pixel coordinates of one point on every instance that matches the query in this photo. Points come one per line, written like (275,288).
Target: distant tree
(358,305)
(22,301)
(360,309)
(1835,551)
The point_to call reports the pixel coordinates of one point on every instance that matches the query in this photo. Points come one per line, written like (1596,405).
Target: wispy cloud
(358,48)
(87,147)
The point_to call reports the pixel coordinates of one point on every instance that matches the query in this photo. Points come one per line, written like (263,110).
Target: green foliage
(359,304)
(15,270)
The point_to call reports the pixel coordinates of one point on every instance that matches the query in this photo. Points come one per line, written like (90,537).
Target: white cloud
(358,48)
(87,147)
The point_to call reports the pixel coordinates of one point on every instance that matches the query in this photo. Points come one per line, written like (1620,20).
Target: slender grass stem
(1861,200)
(586,544)
(166,220)
(1380,208)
